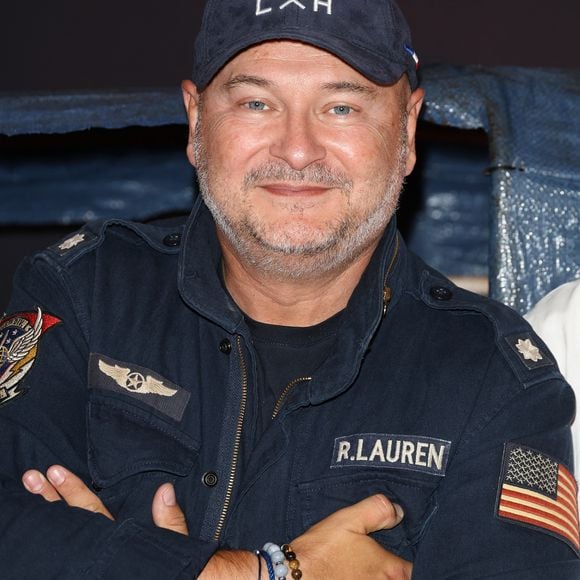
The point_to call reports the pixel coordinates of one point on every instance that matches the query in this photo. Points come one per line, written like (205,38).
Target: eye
(342,110)
(256,106)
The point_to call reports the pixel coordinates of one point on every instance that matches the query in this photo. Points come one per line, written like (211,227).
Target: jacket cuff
(134,551)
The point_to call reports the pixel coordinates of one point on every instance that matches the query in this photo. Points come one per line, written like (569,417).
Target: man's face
(300,158)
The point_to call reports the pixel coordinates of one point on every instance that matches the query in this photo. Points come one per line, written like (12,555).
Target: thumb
(166,513)
(372,514)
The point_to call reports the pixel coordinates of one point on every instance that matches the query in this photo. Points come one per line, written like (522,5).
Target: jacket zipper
(237,442)
(387,291)
(285,392)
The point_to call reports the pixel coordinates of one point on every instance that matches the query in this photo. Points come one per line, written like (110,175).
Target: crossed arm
(337,546)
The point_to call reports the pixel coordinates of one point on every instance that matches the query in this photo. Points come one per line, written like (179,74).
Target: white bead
(277,557)
(267,547)
(272,549)
(280,570)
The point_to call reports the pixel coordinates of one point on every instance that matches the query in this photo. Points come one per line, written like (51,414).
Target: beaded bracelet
(293,562)
(274,556)
(277,559)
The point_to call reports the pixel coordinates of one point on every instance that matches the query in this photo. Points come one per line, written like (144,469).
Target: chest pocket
(132,450)
(320,498)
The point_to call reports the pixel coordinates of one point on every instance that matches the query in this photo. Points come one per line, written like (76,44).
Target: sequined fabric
(531,117)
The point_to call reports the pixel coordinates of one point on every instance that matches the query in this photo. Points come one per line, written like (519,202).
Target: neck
(291,302)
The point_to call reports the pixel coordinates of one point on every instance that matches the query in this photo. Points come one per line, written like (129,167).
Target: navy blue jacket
(132,367)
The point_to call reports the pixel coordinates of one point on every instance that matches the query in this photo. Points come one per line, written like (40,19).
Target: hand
(61,484)
(336,547)
(339,545)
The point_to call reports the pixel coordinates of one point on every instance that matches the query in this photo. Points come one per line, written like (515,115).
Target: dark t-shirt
(287,357)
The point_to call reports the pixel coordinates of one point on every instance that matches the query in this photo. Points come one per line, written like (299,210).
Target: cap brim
(367,63)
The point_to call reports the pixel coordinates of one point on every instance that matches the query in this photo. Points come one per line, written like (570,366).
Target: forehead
(285,56)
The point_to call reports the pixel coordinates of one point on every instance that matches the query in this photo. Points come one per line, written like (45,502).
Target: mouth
(295,189)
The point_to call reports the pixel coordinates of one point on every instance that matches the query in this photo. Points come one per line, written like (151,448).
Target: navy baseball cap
(372,36)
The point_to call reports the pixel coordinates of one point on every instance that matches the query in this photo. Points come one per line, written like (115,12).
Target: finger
(35,482)
(74,491)
(370,515)
(166,513)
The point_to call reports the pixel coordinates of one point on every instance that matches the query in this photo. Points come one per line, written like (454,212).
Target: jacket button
(441,293)
(225,346)
(172,240)
(209,479)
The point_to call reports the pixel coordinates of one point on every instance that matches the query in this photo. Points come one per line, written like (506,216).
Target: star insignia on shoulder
(72,242)
(529,350)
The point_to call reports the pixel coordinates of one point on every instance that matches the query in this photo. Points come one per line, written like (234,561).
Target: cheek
(366,145)
(232,146)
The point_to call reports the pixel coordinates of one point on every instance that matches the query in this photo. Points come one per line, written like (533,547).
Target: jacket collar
(201,288)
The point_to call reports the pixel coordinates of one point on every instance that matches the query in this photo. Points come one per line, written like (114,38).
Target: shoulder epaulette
(163,235)
(525,352)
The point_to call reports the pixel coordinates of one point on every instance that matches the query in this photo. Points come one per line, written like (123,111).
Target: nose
(298,142)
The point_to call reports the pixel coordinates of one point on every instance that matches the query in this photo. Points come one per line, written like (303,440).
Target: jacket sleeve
(43,399)
(506,508)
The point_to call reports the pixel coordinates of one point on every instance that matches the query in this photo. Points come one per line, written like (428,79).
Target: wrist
(232,564)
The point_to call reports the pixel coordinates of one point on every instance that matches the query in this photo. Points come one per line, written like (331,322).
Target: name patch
(388,451)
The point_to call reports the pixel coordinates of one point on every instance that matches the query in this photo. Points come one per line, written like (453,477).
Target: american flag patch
(540,493)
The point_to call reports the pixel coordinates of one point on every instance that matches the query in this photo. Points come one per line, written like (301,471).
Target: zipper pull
(387,295)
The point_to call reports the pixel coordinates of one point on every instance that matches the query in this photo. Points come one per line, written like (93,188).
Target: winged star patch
(140,383)
(134,381)
(20,334)
(538,492)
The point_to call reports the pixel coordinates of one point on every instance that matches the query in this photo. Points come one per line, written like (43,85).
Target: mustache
(316,173)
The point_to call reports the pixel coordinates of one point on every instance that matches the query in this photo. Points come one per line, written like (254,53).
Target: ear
(414,104)
(191,103)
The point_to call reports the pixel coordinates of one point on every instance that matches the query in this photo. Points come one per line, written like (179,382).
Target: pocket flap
(124,440)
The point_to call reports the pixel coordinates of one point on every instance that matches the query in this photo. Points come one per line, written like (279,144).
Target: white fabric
(556,318)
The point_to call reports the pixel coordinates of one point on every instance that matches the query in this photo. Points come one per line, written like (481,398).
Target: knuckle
(397,572)
(93,506)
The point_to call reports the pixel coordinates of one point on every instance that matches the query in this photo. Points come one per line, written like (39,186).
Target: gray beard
(284,260)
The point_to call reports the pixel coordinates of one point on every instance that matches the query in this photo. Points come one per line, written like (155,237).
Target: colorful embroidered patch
(146,385)
(538,492)
(524,345)
(383,450)
(20,334)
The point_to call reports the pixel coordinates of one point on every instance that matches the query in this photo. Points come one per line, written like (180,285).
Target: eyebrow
(243,79)
(351,87)
(343,86)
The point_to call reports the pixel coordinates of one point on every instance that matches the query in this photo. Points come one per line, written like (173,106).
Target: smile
(295,190)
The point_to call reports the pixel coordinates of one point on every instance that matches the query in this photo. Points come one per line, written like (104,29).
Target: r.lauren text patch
(381,450)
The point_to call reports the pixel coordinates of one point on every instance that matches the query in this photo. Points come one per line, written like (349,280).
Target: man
(244,378)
